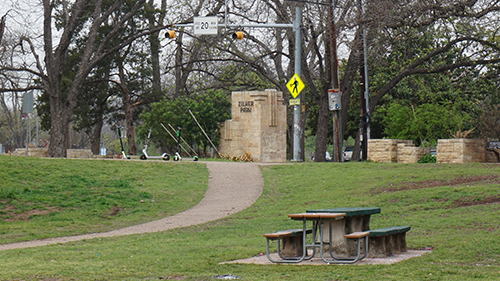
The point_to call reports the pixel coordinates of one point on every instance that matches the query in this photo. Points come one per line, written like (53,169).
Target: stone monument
(258,126)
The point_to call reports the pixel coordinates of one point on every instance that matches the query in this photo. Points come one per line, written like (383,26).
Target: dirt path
(233,187)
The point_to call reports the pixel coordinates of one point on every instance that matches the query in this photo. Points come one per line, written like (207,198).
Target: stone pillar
(461,151)
(385,150)
(257,127)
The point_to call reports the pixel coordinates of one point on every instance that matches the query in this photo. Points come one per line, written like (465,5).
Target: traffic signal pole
(296,26)
(297,129)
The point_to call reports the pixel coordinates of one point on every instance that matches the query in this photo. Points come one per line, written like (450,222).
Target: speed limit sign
(205,25)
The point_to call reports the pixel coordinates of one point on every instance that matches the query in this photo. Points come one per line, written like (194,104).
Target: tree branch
(414,69)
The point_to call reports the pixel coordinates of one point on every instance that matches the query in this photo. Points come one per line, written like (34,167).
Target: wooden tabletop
(301,216)
(349,211)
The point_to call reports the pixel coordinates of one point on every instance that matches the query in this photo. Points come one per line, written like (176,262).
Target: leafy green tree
(210,108)
(487,118)
(423,124)
(398,121)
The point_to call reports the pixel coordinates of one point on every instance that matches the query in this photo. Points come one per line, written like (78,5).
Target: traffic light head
(170,34)
(238,35)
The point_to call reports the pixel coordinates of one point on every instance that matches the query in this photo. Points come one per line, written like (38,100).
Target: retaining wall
(448,151)
(385,150)
(410,153)
(461,151)
(42,152)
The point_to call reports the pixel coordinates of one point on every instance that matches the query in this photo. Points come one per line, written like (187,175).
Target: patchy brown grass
(173,277)
(483,179)
(472,202)
(10,214)
(114,211)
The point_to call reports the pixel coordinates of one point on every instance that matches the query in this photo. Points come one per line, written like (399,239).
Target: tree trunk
(63,101)
(60,117)
(179,85)
(356,149)
(95,138)
(322,132)
(127,108)
(303,119)
(129,122)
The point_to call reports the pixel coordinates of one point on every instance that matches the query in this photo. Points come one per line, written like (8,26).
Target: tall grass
(451,208)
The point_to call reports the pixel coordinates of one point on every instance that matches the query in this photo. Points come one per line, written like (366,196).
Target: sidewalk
(233,187)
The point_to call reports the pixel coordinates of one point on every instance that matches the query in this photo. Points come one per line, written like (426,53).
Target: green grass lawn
(454,209)
(42,198)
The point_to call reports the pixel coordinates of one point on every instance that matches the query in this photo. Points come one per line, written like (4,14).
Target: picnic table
(339,232)
(294,242)
(335,221)
(357,219)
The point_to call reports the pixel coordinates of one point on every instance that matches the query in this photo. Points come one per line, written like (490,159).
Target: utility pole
(335,84)
(365,107)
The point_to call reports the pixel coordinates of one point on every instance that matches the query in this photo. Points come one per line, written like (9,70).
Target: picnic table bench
(388,241)
(289,243)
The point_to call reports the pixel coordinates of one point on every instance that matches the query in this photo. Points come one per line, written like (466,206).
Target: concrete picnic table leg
(293,246)
(339,242)
(353,224)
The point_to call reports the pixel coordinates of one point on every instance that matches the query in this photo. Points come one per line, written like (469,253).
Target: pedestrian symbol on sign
(295,86)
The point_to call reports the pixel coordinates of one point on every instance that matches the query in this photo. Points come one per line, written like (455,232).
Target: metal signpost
(27,110)
(366,116)
(335,105)
(295,86)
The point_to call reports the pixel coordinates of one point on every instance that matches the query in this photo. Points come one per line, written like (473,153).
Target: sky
(22,16)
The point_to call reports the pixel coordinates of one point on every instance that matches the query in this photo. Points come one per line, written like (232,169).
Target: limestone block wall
(410,153)
(42,152)
(79,153)
(461,151)
(258,126)
(32,151)
(491,157)
(385,150)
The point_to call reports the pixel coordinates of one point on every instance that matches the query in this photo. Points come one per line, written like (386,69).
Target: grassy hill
(60,197)
(453,209)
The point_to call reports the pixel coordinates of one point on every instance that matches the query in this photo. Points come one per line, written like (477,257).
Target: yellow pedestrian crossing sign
(295,86)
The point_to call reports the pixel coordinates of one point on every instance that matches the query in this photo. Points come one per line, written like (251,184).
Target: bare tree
(74,18)
(268,53)
(466,25)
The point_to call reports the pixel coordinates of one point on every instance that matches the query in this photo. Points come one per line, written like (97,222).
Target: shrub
(428,158)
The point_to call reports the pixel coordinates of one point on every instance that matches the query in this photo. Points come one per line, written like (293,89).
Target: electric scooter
(124,156)
(177,156)
(145,155)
